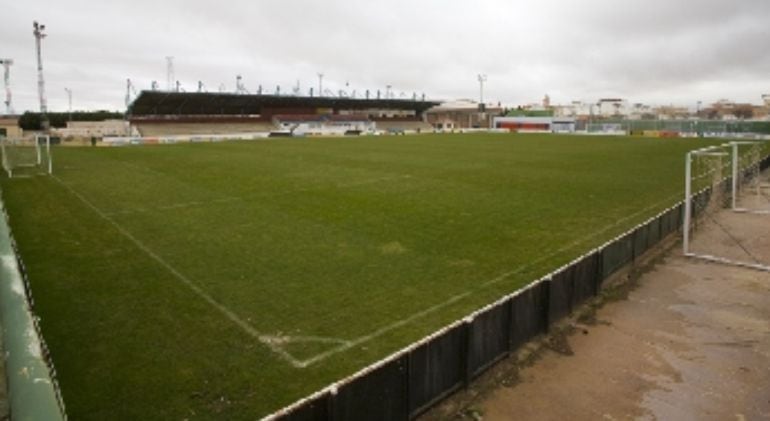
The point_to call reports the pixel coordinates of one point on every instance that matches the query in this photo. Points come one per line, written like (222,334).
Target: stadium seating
(177,129)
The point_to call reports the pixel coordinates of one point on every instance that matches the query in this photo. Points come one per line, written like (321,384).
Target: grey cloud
(647,51)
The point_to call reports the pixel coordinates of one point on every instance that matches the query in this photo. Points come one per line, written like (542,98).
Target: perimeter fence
(409,382)
(33,390)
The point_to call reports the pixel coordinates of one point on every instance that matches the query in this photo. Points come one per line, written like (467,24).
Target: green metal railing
(33,393)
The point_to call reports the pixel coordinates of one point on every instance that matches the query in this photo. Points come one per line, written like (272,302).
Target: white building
(613,107)
(88,129)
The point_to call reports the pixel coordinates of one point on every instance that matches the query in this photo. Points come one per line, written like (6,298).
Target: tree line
(33,120)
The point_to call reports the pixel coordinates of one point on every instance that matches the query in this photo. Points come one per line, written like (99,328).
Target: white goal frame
(37,140)
(718,150)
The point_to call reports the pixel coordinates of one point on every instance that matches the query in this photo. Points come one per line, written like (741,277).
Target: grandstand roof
(150,103)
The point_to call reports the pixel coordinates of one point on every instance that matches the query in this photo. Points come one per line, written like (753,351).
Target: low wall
(33,392)
(167,140)
(409,382)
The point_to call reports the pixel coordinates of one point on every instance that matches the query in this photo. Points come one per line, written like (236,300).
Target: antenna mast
(7,63)
(39,35)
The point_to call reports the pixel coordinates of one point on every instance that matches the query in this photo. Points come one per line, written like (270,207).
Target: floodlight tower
(69,101)
(129,91)
(39,35)
(320,84)
(170,78)
(7,63)
(240,88)
(482,79)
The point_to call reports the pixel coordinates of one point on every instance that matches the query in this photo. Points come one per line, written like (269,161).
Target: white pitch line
(358,341)
(265,339)
(574,243)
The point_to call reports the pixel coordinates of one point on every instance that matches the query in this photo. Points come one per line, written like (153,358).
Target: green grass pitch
(227,280)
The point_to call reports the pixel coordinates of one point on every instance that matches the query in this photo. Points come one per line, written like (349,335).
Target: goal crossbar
(26,153)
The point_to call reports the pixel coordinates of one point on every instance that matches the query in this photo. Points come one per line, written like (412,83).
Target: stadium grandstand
(155,113)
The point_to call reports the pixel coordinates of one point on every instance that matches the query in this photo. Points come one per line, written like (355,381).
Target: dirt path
(690,341)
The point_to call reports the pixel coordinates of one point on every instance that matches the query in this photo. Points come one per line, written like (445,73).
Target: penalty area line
(267,340)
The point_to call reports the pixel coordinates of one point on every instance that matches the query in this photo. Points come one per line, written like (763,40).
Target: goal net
(727,204)
(27,156)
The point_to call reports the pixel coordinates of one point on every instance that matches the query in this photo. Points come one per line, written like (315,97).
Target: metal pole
(734,193)
(38,151)
(69,101)
(39,35)
(687,203)
(50,158)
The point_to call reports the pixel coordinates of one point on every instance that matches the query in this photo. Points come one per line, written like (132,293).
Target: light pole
(69,101)
(320,85)
(39,35)
(170,77)
(482,78)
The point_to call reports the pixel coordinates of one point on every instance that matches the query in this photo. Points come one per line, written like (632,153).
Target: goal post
(26,156)
(725,187)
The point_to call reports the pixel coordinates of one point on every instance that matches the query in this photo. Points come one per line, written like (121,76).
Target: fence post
(509,324)
(465,351)
(546,305)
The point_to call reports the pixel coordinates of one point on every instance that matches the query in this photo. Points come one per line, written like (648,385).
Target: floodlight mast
(170,78)
(240,88)
(129,91)
(320,84)
(39,35)
(482,79)
(69,101)
(7,63)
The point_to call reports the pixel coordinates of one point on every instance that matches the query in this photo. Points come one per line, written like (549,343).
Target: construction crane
(7,63)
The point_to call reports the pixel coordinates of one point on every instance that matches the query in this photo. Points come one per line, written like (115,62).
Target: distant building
(88,129)
(9,126)
(575,109)
(671,112)
(641,111)
(727,110)
(462,114)
(613,107)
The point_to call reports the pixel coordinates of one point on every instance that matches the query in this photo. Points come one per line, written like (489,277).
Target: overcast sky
(651,51)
